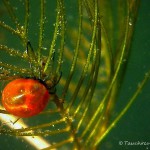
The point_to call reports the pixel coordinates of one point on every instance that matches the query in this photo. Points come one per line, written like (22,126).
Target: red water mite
(25,97)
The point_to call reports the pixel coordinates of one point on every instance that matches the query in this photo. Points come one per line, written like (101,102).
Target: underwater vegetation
(80,51)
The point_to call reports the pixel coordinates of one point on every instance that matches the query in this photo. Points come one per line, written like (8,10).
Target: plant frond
(79,50)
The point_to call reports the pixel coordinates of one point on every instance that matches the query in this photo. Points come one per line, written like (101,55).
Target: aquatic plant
(79,48)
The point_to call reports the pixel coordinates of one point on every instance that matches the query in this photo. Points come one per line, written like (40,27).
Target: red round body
(25,97)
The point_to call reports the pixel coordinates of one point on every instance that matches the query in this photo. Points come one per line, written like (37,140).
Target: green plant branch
(73,65)
(59,144)
(102,104)
(26,21)
(62,34)
(33,133)
(14,68)
(13,31)
(41,29)
(52,46)
(92,86)
(11,13)
(12,52)
(85,69)
(122,113)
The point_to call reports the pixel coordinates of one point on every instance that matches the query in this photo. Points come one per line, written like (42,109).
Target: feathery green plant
(88,42)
